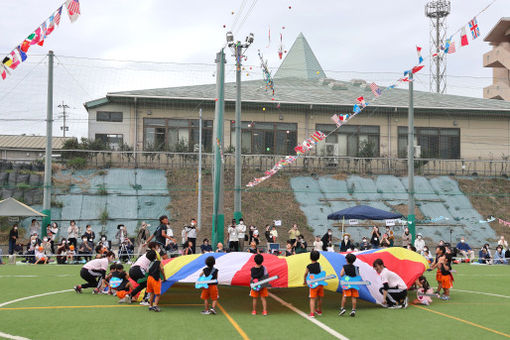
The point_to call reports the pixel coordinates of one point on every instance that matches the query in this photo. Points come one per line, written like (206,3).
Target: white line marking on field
(15,337)
(6,276)
(34,296)
(315,321)
(481,293)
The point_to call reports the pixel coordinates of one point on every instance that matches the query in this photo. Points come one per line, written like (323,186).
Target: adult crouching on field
(93,271)
(139,269)
(394,289)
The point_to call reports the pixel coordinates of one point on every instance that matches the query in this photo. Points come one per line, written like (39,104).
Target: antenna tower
(437,11)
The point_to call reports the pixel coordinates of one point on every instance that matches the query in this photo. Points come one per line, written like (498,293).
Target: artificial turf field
(67,315)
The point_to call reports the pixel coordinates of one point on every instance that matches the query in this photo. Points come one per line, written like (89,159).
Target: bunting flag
(43,34)
(51,26)
(356,108)
(375,89)
(361,101)
(15,60)
(73,9)
(58,15)
(4,72)
(336,119)
(417,68)
(473,27)
(452,49)
(268,79)
(447,45)
(280,49)
(35,37)
(234,269)
(463,37)
(22,54)
(7,61)
(501,221)
(420,58)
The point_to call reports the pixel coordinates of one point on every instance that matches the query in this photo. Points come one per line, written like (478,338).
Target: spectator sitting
(206,247)
(274,235)
(484,256)
(330,247)
(294,233)
(301,245)
(85,250)
(346,244)
(189,249)
(317,244)
(385,242)
(499,255)
(465,250)
(219,248)
(71,253)
(502,242)
(40,257)
(62,251)
(253,248)
(289,250)
(406,237)
(46,246)
(255,237)
(364,245)
(105,243)
(419,243)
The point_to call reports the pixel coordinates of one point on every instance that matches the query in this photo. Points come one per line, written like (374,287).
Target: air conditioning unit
(331,150)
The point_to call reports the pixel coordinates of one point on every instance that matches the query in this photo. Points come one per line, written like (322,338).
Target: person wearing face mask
(326,239)
(72,233)
(46,246)
(419,243)
(13,238)
(141,237)
(346,244)
(85,250)
(191,231)
(104,242)
(364,245)
(464,249)
(426,254)
(391,236)
(89,234)
(406,238)
(241,234)
(35,227)
(301,245)
(293,234)
(233,239)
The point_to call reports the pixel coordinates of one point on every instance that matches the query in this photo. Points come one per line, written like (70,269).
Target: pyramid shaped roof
(300,62)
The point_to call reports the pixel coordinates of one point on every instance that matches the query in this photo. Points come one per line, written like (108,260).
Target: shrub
(77,163)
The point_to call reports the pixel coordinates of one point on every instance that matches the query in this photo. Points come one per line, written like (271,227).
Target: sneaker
(395,307)
(445,298)
(205,312)
(213,311)
(95,291)
(156,309)
(264,313)
(151,308)
(253,312)
(406,303)
(318,312)
(145,303)
(342,311)
(353,313)
(77,289)
(311,315)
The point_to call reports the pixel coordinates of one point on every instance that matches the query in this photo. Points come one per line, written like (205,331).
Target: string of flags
(500,221)
(38,36)
(268,78)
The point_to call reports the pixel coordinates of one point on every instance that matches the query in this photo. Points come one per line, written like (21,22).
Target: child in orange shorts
(155,275)
(212,291)
(350,270)
(259,272)
(443,275)
(316,293)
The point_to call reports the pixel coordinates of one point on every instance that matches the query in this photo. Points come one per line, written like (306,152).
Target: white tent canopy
(13,207)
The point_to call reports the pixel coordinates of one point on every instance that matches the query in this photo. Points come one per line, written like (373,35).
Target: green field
(67,315)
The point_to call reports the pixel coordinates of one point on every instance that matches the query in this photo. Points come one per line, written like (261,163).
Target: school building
(448,127)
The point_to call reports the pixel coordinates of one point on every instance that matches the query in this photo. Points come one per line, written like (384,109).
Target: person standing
(406,238)
(91,236)
(419,243)
(293,234)
(52,232)
(72,233)
(13,238)
(233,239)
(241,233)
(191,231)
(35,227)
(375,240)
(327,239)
(274,235)
(141,237)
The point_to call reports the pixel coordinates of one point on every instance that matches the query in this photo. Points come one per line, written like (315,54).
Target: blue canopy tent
(362,212)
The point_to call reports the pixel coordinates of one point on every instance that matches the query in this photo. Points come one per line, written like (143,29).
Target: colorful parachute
(234,269)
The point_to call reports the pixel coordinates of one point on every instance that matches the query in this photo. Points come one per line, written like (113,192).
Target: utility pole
(47,160)
(199,204)
(218,217)
(410,161)
(237,49)
(64,127)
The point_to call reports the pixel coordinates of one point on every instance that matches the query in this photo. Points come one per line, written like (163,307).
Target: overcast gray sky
(369,39)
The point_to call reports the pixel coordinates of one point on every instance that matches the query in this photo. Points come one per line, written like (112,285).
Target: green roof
(300,62)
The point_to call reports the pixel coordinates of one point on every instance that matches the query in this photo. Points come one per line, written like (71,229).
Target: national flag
(318,136)
(58,15)
(405,79)
(361,100)
(420,58)
(73,9)
(25,45)
(43,34)
(463,37)
(406,72)
(36,36)
(447,45)
(336,119)
(417,68)
(375,89)
(356,108)
(15,60)
(51,25)
(4,74)
(22,54)
(473,27)
(452,49)
(7,61)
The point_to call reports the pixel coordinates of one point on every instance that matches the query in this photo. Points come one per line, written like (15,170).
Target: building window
(176,135)
(110,140)
(443,143)
(107,116)
(350,140)
(266,138)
